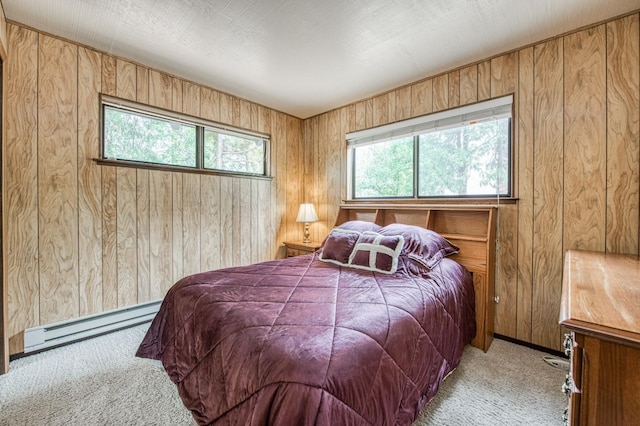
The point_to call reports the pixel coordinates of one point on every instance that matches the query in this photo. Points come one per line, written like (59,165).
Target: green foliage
(233,153)
(137,137)
(465,160)
(385,169)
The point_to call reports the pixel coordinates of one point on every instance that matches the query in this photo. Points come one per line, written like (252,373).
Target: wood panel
(585,139)
(126,237)
(524,151)
(380,110)
(454,89)
(143,233)
(109,239)
(484,80)
(441,92)
(89,183)
(469,85)
(160,89)
(210,230)
(57,176)
(142,84)
(209,104)
(160,240)
(109,70)
(623,134)
(548,189)
(126,77)
(402,103)
(226,222)
(422,98)
(20,174)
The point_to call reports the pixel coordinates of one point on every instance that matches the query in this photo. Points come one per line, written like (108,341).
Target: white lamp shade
(307,213)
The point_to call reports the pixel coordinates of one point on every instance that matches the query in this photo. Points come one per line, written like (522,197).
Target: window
(463,152)
(145,135)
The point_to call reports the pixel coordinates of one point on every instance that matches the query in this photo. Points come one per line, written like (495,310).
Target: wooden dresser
(601,309)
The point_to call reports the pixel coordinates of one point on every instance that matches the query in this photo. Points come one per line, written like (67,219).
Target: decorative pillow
(421,245)
(338,246)
(360,226)
(377,252)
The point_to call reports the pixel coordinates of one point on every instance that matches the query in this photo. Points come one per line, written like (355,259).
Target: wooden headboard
(470,228)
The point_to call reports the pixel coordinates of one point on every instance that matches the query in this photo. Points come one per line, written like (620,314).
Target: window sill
(436,201)
(177,169)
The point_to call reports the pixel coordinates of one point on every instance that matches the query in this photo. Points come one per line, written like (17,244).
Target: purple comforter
(299,341)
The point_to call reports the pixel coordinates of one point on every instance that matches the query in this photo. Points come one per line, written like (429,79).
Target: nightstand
(299,248)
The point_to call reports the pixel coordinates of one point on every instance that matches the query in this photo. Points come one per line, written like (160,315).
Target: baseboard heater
(47,336)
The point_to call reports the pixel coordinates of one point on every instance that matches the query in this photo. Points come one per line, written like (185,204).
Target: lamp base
(306,234)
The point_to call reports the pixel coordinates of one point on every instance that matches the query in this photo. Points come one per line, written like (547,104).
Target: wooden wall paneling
(126,79)
(403,103)
(191,187)
(309,158)
(345,122)
(469,85)
(441,92)
(57,179)
(143,235)
(322,163)
(109,239)
(334,172)
(177,243)
(504,80)
(265,223)
(422,98)
(143,205)
(524,151)
(126,236)
(89,183)
(235,111)
(245,114)
(255,210)
(380,110)
(191,99)
(294,151)
(391,106)
(278,144)
(226,108)
(176,94)
(263,229)
(484,80)
(161,229)
(191,225)
(585,144)
(226,222)
(109,71)
(359,121)
(142,84)
(244,227)
(548,188)
(623,133)
(160,89)
(254,117)
(454,89)
(368,113)
(210,211)
(20,185)
(209,104)
(236,206)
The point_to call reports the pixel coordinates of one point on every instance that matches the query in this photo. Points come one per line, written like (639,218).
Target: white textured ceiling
(305,57)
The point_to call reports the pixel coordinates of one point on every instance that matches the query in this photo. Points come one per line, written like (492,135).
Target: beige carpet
(101,382)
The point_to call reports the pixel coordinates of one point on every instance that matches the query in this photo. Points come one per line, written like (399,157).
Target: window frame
(200,124)
(417,126)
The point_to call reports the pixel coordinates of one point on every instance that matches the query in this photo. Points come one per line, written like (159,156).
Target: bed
(361,332)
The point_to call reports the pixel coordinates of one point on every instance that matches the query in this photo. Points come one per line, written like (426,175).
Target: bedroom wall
(576,157)
(82,238)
